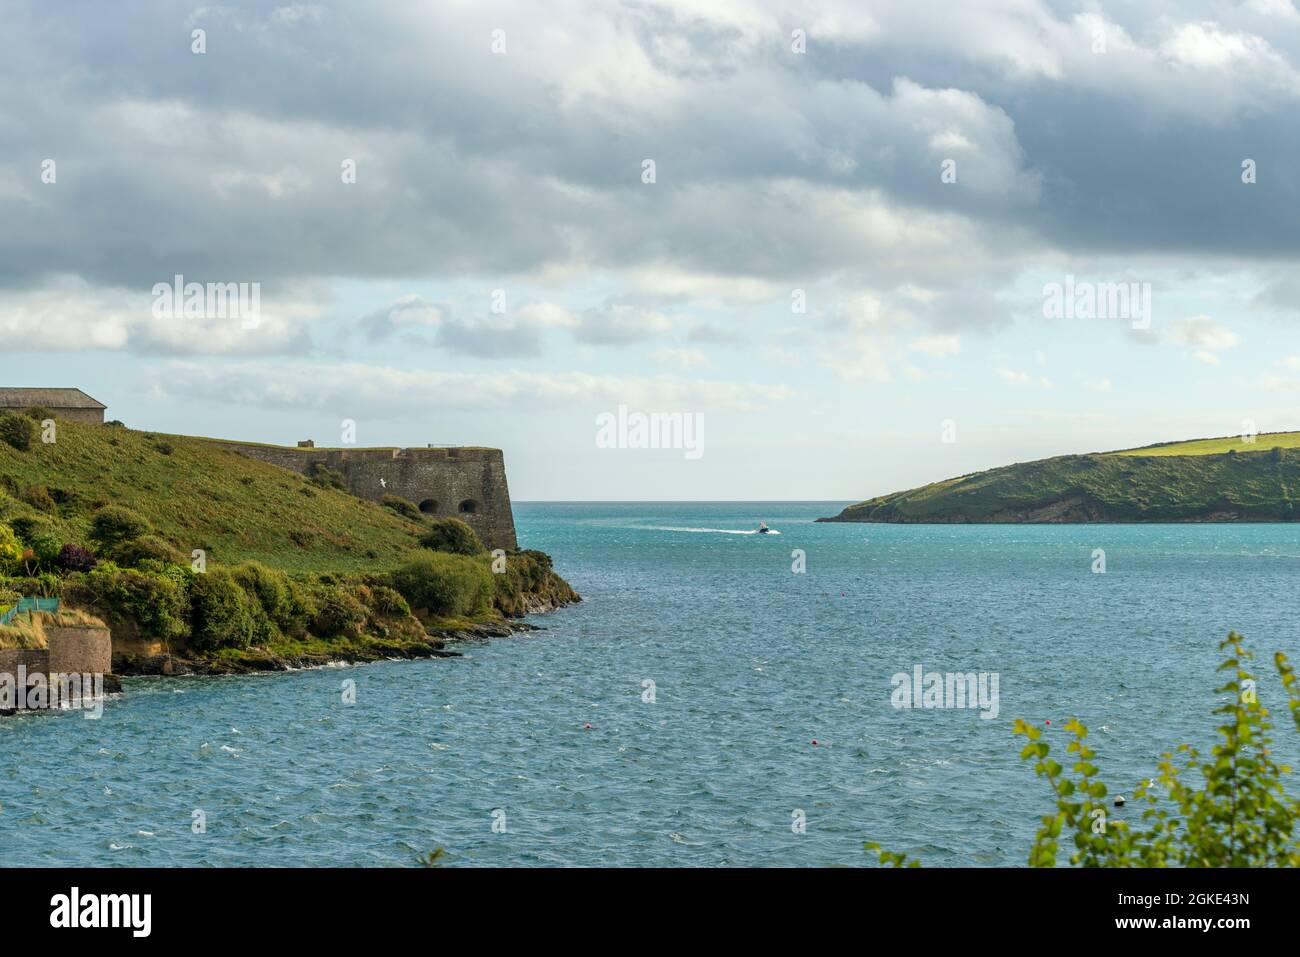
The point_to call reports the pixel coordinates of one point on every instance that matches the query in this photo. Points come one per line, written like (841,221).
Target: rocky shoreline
(259,660)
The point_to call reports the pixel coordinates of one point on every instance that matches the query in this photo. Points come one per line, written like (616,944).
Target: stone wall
(465,483)
(70,650)
(87,416)
(79,649)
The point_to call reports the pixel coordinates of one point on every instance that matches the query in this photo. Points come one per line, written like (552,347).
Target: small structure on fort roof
(71,404)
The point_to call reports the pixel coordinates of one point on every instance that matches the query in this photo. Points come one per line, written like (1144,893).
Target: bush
(38,496)
(527,583)
(75,558)
(452,535)
(1240,816)
(223,615)
(401,506)
(38,413)
(10,550)
(338,613)
(114,524)
(387,602)
(131,554)
(321,475)
(155,603)
(445,585)
(281,598)
(17,430)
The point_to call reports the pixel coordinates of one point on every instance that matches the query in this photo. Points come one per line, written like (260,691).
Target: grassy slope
(1155,485)
(1262,443)
(201,496)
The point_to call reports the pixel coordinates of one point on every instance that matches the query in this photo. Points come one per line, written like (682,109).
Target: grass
(1263,443)
(200,495)
(28,630)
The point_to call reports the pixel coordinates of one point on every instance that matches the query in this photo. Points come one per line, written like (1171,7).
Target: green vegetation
(201,496)
(402,507)
(1231,443)
(445,585)
(1240,816)
(452,535)
(282,564)
(1256,483)
(17,430)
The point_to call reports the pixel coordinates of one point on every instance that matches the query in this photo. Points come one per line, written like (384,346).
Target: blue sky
(1099,141)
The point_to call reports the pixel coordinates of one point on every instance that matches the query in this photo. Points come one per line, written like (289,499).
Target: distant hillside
(199,495)
(1204,480)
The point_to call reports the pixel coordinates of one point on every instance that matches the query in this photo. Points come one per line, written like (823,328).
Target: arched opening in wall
(429,506)
(469,506)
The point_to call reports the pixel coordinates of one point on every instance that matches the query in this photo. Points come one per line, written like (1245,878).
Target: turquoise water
(750,663)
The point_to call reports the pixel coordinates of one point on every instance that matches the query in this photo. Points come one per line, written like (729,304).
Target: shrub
(387,602)
(281,598)
(323,476)
(223,615)
(401,506)
(75,558)
(114,524)
(445,585)
(38,413)
(338,613)
(131,554)
(526,582)
(155,603)
(38,496)
(10,550)
(17,430)
(163,448)
(43,541)
(1240,816)
(452,535)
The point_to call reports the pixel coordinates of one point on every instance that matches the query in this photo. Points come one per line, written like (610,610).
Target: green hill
(199,495)
(1205,480)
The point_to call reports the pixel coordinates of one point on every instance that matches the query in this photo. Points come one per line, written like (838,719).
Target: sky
(829,233)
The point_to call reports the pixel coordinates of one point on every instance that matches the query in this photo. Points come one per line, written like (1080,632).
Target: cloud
(385,392)
(67,314)
(1201,332)
(776,172)
(937,346)
(682,358)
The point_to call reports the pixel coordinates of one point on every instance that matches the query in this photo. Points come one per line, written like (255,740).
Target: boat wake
(717,531)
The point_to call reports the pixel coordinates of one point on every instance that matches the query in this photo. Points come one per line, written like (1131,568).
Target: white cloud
(1201,332)
(385,392)
(945,345)
(682,358)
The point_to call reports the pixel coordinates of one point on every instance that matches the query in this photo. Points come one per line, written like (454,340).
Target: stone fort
(464,483)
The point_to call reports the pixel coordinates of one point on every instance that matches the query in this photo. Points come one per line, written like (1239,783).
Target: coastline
(263,659)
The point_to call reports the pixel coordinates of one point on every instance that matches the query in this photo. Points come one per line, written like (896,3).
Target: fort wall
(464,483)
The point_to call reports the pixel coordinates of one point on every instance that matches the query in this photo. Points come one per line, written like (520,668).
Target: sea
(719,698)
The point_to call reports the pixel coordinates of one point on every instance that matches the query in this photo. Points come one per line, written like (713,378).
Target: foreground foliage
(1224,809)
